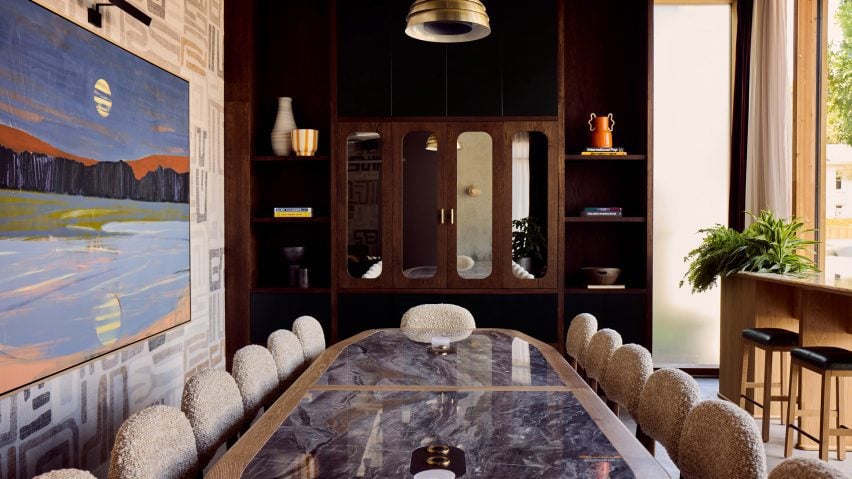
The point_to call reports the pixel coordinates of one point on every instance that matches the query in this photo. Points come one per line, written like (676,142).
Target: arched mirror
(529,204)
(419,204)
(364,205)
(473,215)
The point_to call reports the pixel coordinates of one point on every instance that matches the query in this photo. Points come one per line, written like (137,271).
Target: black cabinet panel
(473,74)
(622,312)
(419,71)
(364,58)
(270,312)
(529,57)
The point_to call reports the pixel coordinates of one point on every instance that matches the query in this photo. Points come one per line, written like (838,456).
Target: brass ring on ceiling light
(438,449)
(440,461)
(447,21)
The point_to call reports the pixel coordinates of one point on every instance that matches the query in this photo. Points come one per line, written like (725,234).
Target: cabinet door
(530,58)
(364,58)
(365,215)
(421,215)
(473,199)
(419,71)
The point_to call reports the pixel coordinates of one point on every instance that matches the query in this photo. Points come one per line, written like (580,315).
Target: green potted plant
(768,245)
(529,245)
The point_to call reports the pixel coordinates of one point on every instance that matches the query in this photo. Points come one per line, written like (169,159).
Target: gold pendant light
(447,21)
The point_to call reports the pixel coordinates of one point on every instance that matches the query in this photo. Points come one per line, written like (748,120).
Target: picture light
(96,17)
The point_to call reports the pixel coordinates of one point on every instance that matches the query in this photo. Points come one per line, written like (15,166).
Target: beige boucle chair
(256,376)
(310,334)
(601,347)
(721,440)
(805,468)
(288,355)
(625,376)
(155,442)
(665,401)
(66,474)
(424,321)
(212,403)
(580,332)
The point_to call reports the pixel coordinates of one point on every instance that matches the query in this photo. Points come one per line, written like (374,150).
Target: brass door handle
(442,216)
(452,216)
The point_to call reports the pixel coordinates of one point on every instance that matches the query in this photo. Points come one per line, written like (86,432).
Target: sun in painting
(103,102)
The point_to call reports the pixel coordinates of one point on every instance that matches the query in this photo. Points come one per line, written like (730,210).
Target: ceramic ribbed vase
(282,143)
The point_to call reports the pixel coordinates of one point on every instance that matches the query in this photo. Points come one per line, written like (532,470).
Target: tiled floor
(774,448)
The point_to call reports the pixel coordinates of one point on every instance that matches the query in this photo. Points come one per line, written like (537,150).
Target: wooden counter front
(819,310)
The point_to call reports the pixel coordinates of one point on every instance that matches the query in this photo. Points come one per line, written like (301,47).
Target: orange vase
(601,127)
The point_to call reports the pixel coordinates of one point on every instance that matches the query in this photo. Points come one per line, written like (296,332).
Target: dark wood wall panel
(624,313)
(364,58)
(270,312)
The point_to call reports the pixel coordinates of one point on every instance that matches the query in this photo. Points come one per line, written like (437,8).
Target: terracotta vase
(601,127)
(282,143)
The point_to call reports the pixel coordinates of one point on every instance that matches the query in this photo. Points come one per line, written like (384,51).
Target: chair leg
(767,394)
(824,416)
(785,390)
(792,408)
(841,439)
(744,376)
(572,362)
(613,406)
(645,440)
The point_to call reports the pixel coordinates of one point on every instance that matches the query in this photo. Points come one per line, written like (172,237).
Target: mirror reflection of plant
(528,240)
(768,245)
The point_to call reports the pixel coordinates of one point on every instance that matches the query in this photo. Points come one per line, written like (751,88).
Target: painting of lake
(94,195)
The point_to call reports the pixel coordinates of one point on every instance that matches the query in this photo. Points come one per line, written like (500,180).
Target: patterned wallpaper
(70,419)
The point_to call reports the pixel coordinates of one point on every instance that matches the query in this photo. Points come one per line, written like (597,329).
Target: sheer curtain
(520,175)
(769,157)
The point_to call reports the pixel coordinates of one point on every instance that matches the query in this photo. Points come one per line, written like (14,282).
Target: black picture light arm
(96,17)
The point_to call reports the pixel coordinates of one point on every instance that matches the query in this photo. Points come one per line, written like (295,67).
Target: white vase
(282,143)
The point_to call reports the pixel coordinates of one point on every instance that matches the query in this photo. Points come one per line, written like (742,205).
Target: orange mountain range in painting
(20,141)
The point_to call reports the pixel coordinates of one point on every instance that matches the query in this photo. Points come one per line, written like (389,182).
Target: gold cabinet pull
(442,216)
(452,216)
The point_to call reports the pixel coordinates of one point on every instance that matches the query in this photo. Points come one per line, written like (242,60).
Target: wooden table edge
(234,461)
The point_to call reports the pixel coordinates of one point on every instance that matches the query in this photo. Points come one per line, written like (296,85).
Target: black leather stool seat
(772,336)
(825,357)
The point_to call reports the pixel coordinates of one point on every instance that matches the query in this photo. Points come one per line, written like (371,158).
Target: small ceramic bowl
(305,141)
(595,275)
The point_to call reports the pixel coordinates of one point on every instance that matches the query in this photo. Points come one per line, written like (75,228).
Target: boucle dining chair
(424,321)
(805,468)
(66,474)
(626,373)
(310,334)
(155,442)
(212,403)
(580,332)
(287,352)
(720,439)
(666,399)
(601,347)
(256,376)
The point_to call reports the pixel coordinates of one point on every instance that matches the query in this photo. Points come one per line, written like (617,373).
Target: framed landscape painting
(94,188)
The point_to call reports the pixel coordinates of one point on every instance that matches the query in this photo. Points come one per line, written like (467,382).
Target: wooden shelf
(606,291)
(606,157)
(291,290)
(315,219)
(291,158)
(604,219)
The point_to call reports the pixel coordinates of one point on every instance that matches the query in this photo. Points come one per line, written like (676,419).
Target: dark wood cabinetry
(350,68)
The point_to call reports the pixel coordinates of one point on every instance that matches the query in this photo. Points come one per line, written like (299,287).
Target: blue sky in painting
(48,70)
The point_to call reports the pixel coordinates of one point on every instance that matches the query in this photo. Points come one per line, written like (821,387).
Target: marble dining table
(510,402)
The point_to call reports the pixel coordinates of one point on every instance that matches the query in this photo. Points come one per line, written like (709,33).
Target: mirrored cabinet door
(366,211)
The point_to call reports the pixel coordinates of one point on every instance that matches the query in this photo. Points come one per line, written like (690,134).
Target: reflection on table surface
(477,358)
(511,434)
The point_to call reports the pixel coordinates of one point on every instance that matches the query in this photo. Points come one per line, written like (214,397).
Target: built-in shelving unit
(606,157)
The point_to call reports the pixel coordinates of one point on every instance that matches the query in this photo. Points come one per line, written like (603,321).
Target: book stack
(293,212)
(604,152)
(601,211)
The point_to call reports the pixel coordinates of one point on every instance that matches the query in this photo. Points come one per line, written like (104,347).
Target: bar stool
(770,340)
(829,362)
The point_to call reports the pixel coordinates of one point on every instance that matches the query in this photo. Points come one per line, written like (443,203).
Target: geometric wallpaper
(70,419)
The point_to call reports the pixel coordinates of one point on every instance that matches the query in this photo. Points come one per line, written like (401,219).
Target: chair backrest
(720,439)
(256,376)
(601,347)
(666,399)
(437,319)
(805,468)
(580,332)
(66,474)
(155,442)
(625,376)
(213,404)
(310,334)
(287,352)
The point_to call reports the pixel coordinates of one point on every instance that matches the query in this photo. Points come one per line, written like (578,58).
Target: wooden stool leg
(791,408)
(824,416)
(744,376)
(784,388)
(841,440)
(767,393)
